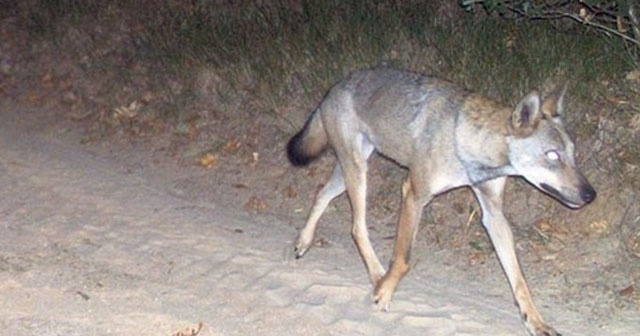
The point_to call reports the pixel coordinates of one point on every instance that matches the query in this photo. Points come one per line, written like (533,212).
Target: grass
(316,42)
(322,40)
(277,58)
(285,53)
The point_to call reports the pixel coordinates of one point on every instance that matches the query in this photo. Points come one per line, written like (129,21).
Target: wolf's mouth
(559,196)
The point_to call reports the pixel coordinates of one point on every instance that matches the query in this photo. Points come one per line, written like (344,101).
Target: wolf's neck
(478,173)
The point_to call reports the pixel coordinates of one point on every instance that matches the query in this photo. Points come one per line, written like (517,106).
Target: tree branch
(587,20)
(602,27)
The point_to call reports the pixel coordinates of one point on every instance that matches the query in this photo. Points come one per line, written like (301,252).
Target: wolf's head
(541,150)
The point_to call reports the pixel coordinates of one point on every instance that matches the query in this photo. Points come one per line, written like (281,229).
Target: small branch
(602,27)
(633,16)
(597,16)
(555,15)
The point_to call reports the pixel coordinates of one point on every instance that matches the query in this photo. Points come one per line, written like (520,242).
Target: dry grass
(273,60)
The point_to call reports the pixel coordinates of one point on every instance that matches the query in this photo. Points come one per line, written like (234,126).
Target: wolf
(447,137)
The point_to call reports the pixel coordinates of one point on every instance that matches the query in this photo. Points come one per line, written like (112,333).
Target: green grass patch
(277,51)
(272,61)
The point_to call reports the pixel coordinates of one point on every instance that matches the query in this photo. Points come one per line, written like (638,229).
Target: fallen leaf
(628,291)
(321,242)
(69,98)
(147,97)
(477,258)
(256,204)
(633,244)
(32,97)
(47,81)
(291,192)
(208,160)
(633,76)
(232,145)
(599,228)
(130,111)
(190,331)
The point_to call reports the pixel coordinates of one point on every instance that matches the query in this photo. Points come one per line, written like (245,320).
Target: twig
(555,15)
(602,27)
(635,25)
(603,14)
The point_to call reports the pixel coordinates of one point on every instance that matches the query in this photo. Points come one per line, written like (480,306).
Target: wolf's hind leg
(334,187)
(356,181)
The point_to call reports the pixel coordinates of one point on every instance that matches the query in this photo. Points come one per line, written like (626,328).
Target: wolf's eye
(552,155)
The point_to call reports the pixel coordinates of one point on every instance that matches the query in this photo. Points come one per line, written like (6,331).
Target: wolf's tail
(308,143)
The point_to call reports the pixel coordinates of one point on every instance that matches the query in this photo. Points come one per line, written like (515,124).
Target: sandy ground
(97,243)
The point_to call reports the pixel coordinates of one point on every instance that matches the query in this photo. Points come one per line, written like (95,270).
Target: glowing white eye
(552,155)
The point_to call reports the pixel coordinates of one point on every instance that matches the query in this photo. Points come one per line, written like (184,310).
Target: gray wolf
(447,137)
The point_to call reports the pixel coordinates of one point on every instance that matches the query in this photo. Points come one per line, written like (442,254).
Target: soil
(189,231)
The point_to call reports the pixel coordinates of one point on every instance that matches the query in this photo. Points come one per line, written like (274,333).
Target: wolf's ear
(553,104)
(527,115)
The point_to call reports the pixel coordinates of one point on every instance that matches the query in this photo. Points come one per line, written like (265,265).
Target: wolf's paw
(546,330)
(383,293)
(381,304)
(302,246)
(300,250)
(541,329)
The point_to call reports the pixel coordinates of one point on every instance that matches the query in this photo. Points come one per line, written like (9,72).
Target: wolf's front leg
(406,233)
(489,195)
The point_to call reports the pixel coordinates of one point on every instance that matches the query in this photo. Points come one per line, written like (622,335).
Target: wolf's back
(308,143)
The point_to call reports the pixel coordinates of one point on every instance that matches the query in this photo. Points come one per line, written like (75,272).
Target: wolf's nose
(588,194)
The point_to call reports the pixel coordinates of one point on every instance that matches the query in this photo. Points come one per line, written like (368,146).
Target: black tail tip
(295,152)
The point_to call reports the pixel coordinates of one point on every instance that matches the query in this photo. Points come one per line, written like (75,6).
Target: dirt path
(89,247)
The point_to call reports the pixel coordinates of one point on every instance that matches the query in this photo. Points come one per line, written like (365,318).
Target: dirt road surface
(89,246)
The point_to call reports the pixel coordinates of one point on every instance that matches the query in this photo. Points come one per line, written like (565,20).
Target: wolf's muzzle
(586,193)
